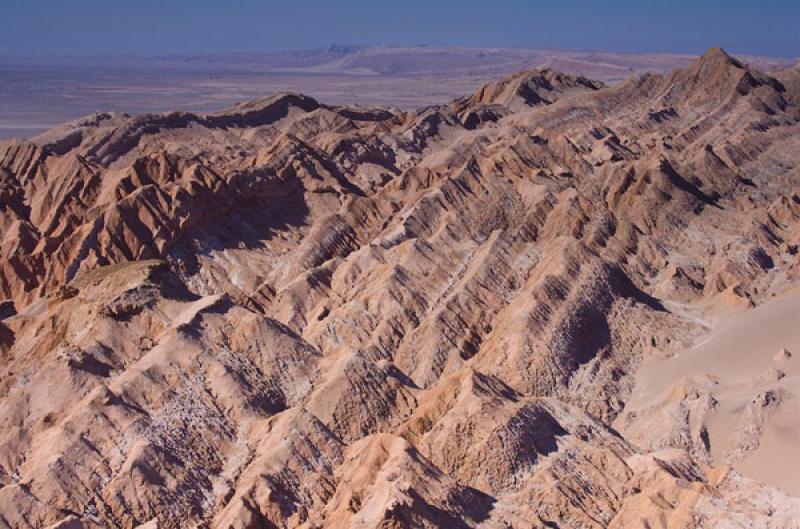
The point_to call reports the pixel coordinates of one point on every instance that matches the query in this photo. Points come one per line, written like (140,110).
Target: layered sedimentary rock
(291,314)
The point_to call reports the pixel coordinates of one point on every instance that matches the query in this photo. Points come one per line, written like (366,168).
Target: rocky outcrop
(291,314)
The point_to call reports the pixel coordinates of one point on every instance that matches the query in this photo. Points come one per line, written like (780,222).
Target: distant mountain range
(296,314)
(40,92)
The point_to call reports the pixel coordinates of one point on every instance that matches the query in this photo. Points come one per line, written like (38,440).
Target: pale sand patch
(741,352)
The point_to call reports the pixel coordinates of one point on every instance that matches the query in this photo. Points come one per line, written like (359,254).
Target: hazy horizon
(148,27)
(351,48)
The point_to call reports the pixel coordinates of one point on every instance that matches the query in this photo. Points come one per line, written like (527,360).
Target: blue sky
(770,27)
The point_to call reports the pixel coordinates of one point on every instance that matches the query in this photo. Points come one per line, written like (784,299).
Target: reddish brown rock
(291,314)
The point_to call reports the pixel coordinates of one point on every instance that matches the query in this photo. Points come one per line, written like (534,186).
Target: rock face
(289,314)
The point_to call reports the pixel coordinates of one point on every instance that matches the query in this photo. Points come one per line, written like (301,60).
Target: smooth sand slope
(755,423)
(299,315)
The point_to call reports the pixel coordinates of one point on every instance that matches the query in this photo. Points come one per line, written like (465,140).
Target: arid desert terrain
(567,299)
(40,92)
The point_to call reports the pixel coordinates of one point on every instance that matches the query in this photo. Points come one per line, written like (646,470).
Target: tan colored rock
(297,315)
(782,354)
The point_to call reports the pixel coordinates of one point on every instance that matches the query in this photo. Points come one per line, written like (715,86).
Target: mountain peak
(718,57)
(713,78)
(290,314)
(716,51)
(530,88)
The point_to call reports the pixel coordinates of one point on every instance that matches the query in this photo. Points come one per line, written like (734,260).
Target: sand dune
(740,355)
(296,314)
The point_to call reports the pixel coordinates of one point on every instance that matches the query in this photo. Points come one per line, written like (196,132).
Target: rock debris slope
(290,314)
